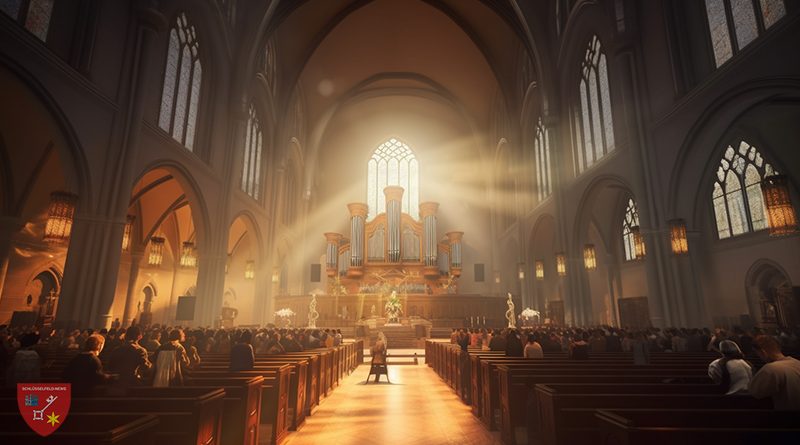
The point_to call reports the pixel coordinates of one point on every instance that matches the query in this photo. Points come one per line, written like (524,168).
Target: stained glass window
(393,163)
(748,21)
(183,76)
(594,125)
(631,220)
(251,165)
(541,149)
(737,201)
(34,15)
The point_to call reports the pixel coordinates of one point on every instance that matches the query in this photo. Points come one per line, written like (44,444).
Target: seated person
(85,371)
(731,371)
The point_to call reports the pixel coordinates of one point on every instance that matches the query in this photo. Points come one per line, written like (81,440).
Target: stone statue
(313,315)
(512,319)
(372,312)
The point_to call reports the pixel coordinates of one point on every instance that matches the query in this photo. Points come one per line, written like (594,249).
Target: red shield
(44,406)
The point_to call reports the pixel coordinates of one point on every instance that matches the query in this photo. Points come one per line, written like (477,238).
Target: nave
(416,408)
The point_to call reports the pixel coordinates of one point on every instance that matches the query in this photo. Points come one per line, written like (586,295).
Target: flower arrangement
(393,308)
(529,313)
(285,314)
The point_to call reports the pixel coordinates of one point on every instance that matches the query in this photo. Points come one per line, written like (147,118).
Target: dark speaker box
(185,310)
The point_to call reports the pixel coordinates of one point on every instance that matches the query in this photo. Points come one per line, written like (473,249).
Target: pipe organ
(394,244)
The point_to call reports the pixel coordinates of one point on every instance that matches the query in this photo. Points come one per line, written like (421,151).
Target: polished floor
(416,408)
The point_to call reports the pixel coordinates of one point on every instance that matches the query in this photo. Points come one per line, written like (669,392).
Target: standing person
(337,339)
(130,361)
(26,366)
(513,344)
(579,349)
(191,350)
(85,371)
(242,357)
(533,349)
(170,360)
(731,371)
(153,341)
(463,340)
(497,342)
(779,378)
(641,349)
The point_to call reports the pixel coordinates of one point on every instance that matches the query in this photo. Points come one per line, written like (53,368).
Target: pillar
(130,297)
(358,217)
(427,212)
(394,200)
(8,228)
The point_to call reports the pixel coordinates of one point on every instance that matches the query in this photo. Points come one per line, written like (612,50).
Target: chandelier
(126,234)
(156,251)
(638,243)
(589,257)
(561,264)
(188,255)
(778,204)
(677,237)
(539,266)
(249,270)
(60,215)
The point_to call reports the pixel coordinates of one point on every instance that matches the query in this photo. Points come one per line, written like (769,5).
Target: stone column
(394,206)
(427,212)
(9,227)
(130,297)
(358,216)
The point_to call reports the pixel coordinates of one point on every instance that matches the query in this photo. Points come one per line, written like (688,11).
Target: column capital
(333,237)
(358,209)
(454,237)
(393,193)
(428,208)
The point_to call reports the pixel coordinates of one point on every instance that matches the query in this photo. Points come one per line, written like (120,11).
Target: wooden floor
(416,408)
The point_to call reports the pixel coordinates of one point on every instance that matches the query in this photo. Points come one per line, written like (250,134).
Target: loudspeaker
(479,273)
(316,273)
(185,309)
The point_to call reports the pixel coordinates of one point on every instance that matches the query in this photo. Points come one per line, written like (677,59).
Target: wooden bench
(689,426)
(89,428)
(566,411)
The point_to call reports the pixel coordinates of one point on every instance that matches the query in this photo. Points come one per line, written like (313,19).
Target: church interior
(333,182)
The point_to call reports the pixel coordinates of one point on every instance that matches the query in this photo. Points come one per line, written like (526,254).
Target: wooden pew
(242,412)
(566,411)
(689,426)
(187,416)
(89,428)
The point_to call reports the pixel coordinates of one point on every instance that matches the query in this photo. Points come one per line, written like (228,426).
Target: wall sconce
(677,237)
(521,271)
(156,255)
(60,215)
(497,277)
(778,203)
(638,243)
(589,257)
(539,267)
(561,264)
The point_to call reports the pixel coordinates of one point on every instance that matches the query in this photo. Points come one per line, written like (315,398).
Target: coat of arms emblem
(44,406)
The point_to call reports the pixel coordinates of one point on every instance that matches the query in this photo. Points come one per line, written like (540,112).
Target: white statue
(512,319)
(313,315)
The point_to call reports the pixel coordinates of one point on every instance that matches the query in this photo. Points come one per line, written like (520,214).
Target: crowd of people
(158,356)
(778,378)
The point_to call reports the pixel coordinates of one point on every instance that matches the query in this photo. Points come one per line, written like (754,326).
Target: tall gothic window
(733,24)
(251,169)
(738,203)
(631,220)
(593,125)
(34,15)
(182,79)
(393,163)
(541,149)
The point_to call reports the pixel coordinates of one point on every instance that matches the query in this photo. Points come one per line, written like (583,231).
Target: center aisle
(416,408)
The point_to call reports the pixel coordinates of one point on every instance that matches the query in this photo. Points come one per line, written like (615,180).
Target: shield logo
(44,406)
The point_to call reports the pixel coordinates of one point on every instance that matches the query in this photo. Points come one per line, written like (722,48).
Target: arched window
(593,124)
(631,220)
(393,163)
(34,15)
(541,150)
(733,24)
(251,169)
(738,203)
(182,79)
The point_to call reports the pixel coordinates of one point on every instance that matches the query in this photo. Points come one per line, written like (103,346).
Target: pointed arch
(393,163)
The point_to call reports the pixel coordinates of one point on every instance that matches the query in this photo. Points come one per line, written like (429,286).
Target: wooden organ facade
(394,247)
